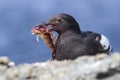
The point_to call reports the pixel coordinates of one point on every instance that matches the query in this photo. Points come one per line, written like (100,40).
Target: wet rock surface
(99,67)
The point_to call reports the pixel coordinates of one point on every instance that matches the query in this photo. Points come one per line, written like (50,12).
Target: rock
(4,60)
(99,67)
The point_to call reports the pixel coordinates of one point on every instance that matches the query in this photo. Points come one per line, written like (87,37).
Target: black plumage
(72,42)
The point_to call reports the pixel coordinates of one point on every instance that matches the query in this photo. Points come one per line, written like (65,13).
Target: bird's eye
(59,20)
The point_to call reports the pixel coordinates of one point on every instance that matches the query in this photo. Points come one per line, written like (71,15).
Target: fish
(48,37)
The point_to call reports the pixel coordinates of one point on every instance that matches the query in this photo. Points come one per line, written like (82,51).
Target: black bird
(72,42)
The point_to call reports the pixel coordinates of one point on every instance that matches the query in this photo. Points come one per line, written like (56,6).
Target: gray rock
(99,67)
(4,60)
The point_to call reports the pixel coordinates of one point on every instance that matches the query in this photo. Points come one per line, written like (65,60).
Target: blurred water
(17,18)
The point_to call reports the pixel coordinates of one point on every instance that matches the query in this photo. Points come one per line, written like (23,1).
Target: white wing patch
(105,43)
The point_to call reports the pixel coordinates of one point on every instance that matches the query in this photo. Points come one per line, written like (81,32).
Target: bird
(72,42)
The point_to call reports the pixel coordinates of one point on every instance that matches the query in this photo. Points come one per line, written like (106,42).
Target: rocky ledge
(99,67)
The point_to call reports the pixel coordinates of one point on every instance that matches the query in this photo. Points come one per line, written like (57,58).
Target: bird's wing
(102,40)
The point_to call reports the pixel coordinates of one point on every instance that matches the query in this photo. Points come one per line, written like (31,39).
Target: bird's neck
(77,30)
(68,33)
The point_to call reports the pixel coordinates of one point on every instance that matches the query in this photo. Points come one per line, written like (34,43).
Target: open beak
(44,27)
(50,26)
(47,23)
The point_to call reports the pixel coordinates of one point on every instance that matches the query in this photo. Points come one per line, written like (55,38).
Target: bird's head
(63,22)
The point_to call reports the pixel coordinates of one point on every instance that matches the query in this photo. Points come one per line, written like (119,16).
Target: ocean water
(17,18)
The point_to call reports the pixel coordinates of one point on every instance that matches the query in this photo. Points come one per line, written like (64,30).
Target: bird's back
(72,45)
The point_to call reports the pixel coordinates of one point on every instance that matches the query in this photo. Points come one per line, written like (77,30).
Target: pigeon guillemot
(72,42)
